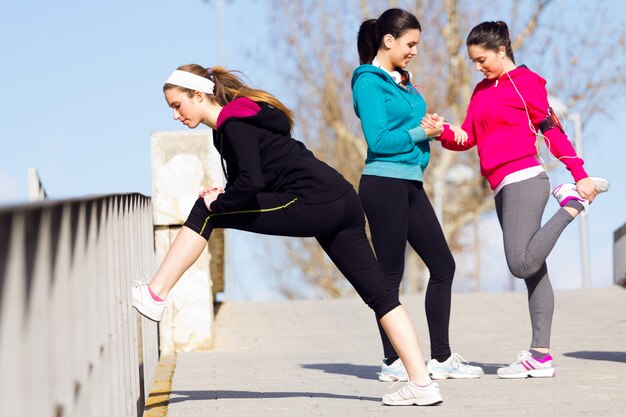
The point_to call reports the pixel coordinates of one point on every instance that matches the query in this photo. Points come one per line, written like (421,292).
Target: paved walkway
(320,358)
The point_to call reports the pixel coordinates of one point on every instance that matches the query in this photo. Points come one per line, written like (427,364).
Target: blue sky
(82,85)
(82,93)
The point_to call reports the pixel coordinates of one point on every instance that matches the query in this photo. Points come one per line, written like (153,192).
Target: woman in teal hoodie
(391,187)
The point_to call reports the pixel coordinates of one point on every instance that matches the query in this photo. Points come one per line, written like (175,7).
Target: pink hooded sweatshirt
(497,124)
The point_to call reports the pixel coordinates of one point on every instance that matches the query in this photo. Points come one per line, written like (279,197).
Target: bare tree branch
(531,25)
(321,51)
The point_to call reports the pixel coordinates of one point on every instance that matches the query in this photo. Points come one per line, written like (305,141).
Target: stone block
(183,164)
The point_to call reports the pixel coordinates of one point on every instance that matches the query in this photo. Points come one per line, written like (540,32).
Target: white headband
(191,81)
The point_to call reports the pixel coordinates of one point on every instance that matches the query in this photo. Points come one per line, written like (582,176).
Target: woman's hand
(460,135)
(432,125)
(587,189)
(429,121)
(210,195)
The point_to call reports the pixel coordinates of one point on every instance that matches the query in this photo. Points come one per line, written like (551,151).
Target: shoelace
(407,385)
(522,356)
(457,360)
(138,283)
(397,381)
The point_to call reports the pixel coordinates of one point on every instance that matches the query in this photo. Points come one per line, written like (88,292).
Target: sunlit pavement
(320,358)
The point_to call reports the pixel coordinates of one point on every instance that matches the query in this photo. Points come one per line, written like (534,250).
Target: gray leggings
(520,207)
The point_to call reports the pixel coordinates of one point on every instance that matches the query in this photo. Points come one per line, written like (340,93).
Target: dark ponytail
(394,22)
(367,41)
(491,36)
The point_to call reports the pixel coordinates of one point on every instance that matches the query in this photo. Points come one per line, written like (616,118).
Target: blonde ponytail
(229,87)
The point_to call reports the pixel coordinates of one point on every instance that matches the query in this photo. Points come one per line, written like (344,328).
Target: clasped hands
(433,126)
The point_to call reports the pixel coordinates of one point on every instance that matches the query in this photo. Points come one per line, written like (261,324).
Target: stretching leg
(186,248)
(193,236)
(386,204)
(398,326)
(527,244)
(352,254)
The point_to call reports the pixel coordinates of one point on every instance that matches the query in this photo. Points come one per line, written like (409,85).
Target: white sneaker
(455,367)
(394,372)
(411,394)
(145,304)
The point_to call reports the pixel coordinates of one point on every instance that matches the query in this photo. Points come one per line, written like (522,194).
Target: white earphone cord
(532,128)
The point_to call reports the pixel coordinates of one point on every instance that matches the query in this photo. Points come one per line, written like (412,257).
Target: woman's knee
(198,219)
(384,303)
(444,272)
(450,267)
(522,270)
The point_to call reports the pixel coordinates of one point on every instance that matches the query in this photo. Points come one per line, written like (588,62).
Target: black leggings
(399,211)
(338,226)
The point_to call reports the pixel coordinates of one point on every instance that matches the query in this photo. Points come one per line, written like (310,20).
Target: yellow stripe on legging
(265,210)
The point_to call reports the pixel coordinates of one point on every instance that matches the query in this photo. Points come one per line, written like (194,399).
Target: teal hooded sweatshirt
(390,116)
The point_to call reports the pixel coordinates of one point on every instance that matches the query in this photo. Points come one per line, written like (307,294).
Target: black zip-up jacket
(259,155)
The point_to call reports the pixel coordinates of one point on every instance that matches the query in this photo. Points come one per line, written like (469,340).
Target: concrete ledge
(158,399)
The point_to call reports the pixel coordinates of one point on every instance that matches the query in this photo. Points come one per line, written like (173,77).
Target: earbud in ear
(501,54)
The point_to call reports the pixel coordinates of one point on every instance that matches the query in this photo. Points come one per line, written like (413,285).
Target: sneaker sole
(147,314)
(440,376)
(390,378)
(536,373)
(425,403)
(602,184)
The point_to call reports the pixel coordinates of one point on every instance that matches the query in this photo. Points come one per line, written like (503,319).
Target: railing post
(12,306)
(619,256)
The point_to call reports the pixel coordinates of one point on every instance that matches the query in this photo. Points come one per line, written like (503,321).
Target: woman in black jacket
(274,185)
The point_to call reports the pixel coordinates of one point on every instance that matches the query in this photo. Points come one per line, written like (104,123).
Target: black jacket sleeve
(243,140)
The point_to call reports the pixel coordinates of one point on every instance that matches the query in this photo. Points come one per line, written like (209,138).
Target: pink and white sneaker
(567,192)
(527,366)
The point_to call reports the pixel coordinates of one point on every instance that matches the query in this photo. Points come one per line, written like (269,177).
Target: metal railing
(70,342)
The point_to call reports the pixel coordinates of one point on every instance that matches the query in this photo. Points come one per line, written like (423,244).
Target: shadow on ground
(182,396)
(349,369)
(490,368)
(598,356)
(371,372)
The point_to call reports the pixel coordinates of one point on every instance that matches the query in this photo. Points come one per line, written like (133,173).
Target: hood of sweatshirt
(518,75)
(261,115)
(378,75)
(371,69)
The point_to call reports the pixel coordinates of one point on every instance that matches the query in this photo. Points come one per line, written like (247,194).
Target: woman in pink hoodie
(506,111)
